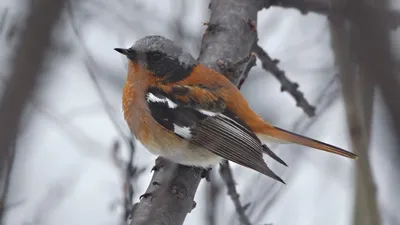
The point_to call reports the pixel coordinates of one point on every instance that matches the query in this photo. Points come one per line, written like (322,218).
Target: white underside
(188,156)
(197,156)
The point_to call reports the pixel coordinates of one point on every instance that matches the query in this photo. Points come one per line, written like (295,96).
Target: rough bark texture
(26,70)
(228,38)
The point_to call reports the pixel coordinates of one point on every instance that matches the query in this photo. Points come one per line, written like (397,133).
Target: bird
(193,115)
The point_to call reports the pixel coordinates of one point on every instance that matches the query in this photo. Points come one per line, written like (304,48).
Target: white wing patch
(182,131)
(207,113)
(152,98)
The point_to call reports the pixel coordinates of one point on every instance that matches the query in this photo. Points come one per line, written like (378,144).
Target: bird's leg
(206,174)
(160,163)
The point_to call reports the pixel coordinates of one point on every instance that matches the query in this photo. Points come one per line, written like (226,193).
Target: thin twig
(226,174)
(213,192)
(271,66)
(225,169)
(245,73)
(130,171)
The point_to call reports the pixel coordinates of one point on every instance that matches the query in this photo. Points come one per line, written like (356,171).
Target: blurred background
(65,172)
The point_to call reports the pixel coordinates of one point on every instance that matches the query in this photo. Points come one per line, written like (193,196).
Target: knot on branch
(179,190)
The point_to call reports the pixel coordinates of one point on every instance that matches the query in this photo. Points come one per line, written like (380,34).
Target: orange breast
(137,115)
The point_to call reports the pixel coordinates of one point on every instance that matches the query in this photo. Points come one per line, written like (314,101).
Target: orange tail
(281,134)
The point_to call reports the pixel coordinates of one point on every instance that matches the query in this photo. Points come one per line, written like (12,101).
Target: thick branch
(174,186)
(389,18)
(358,97)
(26,70)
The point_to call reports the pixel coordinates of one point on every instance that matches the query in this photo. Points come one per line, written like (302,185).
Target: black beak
(123,51)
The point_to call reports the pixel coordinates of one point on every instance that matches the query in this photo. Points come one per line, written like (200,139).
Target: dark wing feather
(216,129)
(230,140)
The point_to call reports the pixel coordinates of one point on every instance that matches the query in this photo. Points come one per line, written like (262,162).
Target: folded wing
(208,124)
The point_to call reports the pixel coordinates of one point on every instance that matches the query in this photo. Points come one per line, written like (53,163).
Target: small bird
(193,115)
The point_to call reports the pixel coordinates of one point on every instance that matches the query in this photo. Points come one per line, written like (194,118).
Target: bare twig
(271,192)
(226,174)
(388,18)
(213,192)
(245,73)
(270,65)
(173,186)
(26,70)
(130,171)
(225,169)
(55,195)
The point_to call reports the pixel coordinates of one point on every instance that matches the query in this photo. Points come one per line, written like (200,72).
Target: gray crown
(164,45)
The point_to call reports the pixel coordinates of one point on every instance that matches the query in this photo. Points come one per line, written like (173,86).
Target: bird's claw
(206,174)
(160,163)
(146,195)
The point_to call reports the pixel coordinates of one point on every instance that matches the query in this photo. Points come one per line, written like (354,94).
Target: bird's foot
(160,163)
(206,174)
(146,195)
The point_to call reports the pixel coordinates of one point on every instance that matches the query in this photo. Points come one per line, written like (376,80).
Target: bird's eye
(156,57)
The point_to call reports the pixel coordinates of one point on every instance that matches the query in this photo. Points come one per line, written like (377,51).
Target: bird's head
(161,57)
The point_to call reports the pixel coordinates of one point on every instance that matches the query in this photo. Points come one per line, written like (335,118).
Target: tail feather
(264,169)
(281,134)
(273,155)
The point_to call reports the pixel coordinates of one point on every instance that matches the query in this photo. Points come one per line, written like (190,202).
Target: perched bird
(192,115)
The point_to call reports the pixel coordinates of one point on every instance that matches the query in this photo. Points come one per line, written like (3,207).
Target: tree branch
(389,18)
(374,67)
(271,65)
(173,185)
(226,174)
(26,70)
(358,98)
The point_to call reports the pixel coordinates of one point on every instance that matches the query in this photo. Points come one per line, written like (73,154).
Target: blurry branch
(178,23)
(226,174)
(375,67)
(58,192)
(358,98)
(271,65)
(270,192)
(8,27)
(225,168)
(3,19)
(173,186)
(5,179)
(130,171)
(182,35)
(26,70)
(378,67)
(388,18)
(213,191)
(73,132)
